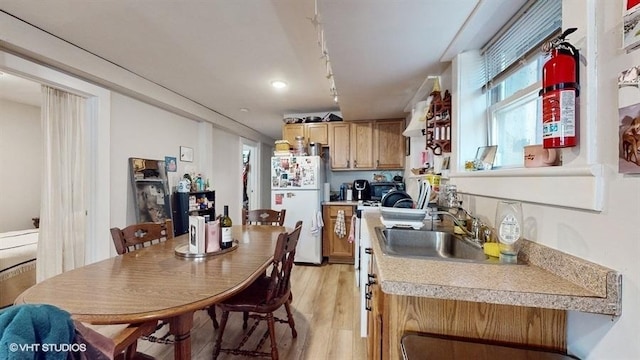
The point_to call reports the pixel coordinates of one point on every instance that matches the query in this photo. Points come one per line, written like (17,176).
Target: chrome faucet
(479,231)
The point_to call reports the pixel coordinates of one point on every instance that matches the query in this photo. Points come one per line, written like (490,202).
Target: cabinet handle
(367,297)
(368,251)
(372,279)
(377,163)
(355,163)
(348,163)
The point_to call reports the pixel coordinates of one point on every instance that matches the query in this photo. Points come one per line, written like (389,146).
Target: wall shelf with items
(198,203)
(438,131)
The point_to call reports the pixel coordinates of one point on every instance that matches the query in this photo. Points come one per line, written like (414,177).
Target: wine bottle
(227,240)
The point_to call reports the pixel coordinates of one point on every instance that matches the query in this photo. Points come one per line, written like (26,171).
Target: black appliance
(361,190)
(204,204)
(378,189)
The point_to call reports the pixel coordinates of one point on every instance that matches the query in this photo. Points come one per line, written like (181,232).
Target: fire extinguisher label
(558,114)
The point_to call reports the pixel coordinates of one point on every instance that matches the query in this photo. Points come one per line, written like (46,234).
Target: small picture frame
(170,164)
(186,154)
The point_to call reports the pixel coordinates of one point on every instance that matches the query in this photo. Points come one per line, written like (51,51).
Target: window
(514,114)
(580,182)
(513,69)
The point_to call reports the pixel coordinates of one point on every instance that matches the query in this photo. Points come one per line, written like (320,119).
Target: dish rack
(402,217)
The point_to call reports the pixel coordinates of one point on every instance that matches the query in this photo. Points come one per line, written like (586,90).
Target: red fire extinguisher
(560,88)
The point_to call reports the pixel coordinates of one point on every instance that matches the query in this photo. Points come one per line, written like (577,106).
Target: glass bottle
(301,147)
(227,240)
(509,228)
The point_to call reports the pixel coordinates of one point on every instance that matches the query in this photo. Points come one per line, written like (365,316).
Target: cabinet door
(290,131)
(340,249)
(317,133)
(362,145)
(327,231)
(339,146)
(389,144)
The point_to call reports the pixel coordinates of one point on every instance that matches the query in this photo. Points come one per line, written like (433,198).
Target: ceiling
(223,54)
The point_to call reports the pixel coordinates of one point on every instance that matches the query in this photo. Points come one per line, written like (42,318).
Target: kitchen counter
(551,279)
(340,202)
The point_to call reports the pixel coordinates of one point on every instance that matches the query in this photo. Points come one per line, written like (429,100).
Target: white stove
(364,204)
(362,258)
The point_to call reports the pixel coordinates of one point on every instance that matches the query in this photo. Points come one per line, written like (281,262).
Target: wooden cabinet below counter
(392,316)
(337,249)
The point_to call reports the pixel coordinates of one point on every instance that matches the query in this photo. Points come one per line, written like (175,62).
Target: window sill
(573,187)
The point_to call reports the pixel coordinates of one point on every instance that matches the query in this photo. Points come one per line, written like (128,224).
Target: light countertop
(339,202)
(551,279)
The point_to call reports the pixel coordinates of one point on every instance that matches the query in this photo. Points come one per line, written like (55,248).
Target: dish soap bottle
(509,228)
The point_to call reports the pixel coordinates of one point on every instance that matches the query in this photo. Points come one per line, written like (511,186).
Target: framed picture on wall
(170,164)
(186,154)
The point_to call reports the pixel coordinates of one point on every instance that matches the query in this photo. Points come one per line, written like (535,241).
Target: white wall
(157,133)
(154,134)
(21,159)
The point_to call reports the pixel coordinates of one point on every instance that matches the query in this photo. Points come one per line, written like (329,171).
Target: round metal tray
(183,251)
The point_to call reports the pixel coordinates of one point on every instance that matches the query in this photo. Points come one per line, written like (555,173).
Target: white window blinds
(537,21)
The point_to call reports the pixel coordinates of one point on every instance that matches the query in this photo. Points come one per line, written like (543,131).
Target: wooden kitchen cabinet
(362,145)
(367,145)
(391,316)
(336,249)
(389,150)
(339,145)
(312,132)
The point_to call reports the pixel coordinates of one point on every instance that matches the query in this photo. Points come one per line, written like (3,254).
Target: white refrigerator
(297,185)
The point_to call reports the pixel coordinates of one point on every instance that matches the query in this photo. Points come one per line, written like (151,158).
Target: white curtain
(62,212)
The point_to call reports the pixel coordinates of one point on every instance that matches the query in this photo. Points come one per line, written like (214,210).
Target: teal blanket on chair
(35,332)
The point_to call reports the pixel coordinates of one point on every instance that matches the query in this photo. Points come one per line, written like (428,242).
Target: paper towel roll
(327,192)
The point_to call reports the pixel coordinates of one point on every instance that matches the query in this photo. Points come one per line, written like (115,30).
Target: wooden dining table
(155,283)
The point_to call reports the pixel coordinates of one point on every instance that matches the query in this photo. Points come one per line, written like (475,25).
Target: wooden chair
(137,236)
(263,217)
(121,345)
(263,297)
(255,217)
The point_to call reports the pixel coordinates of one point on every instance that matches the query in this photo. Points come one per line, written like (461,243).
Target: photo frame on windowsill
(186,154)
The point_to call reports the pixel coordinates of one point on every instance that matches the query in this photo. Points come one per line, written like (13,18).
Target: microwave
(378,189)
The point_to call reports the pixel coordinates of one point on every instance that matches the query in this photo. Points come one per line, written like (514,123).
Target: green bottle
(227,240)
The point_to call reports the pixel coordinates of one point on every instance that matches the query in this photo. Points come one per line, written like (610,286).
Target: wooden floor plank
(326,311)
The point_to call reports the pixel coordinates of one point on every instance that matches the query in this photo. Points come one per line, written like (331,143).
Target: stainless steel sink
(432,244)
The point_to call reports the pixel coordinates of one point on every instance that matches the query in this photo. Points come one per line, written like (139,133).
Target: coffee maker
(361,190)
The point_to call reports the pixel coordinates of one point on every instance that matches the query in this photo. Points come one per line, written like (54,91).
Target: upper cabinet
(340,146)
(389,144)
(367,145)
(312,132)
(362,145)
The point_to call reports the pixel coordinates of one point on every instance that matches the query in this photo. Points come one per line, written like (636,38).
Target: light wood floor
(326,311)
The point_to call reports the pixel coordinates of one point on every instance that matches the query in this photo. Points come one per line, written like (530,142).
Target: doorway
(250,193)
(97,145)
